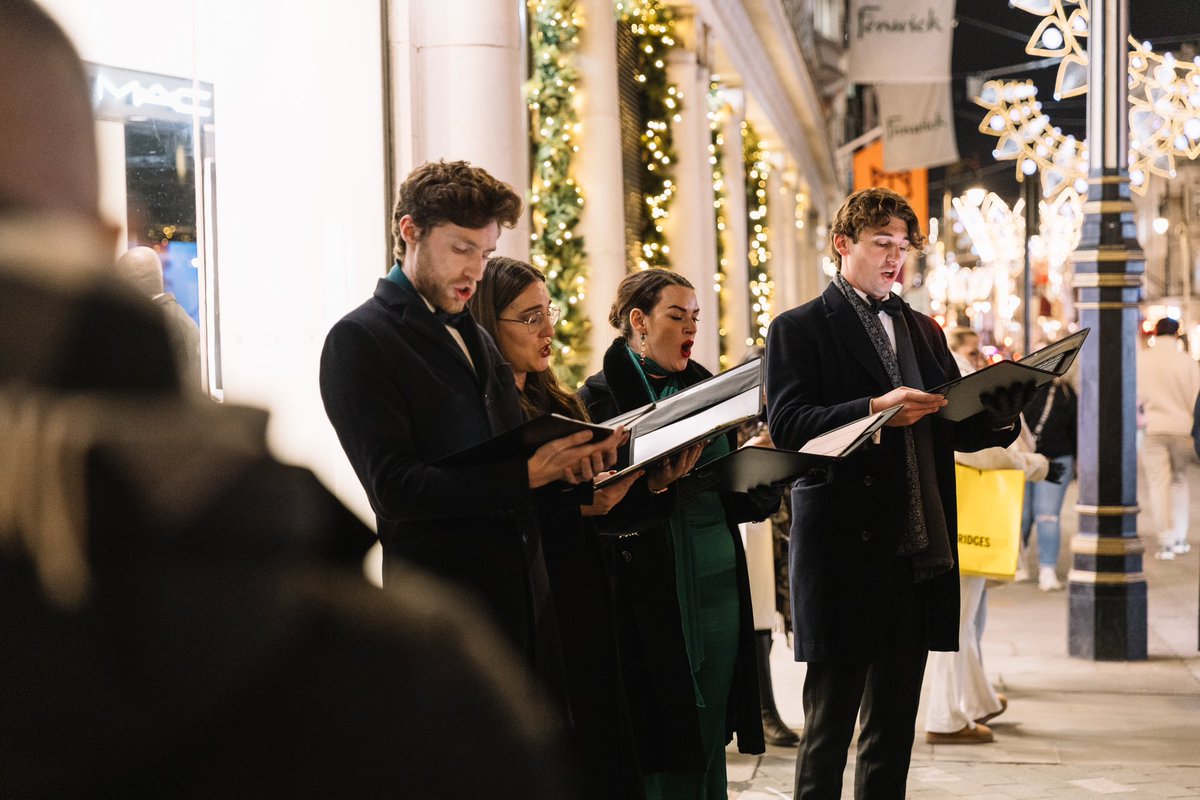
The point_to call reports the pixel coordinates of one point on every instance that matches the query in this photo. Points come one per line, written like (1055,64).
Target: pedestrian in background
(1168,384)
(961,698)
(1052,420)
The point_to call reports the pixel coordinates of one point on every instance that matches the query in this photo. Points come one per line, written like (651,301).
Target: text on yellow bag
(989,520)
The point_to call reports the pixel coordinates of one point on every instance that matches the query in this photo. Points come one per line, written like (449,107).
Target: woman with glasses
(681,585)
(513,304)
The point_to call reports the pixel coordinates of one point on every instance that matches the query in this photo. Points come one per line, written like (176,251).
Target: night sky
(991,35)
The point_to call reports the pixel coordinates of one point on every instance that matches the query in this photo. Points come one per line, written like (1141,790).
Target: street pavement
(1074,728)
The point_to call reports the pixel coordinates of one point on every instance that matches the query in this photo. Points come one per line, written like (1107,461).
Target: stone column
(691,228)
(598,170)
(781,216)
(737,270)
(464,101)
(1107,593)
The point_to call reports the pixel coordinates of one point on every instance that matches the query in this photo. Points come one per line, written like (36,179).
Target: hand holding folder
(750,467)
(700,412)
(965,396)
(555,447)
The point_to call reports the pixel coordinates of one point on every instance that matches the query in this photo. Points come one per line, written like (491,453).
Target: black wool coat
(654,661)
(821,372)
(401,394)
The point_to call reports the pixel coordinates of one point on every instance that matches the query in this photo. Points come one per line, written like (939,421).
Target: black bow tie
(453,320)
(890,305)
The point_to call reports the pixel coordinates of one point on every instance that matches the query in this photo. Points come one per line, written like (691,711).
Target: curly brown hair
(454,192)
(641,290)
(873,208)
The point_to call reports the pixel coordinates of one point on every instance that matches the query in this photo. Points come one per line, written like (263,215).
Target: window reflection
(149,125)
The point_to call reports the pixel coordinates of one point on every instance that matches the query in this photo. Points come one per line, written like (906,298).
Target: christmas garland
(652,26)
(555,201)
(762,288)
(718,111)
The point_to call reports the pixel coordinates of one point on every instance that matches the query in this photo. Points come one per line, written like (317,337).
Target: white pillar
(812,257)
(598,170)
(691,227)
(737,271)
(464,96)
(781,213)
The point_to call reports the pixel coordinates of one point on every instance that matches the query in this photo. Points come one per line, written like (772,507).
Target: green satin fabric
(705,583)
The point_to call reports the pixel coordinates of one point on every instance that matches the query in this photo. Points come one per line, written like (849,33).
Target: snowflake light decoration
(1164,106)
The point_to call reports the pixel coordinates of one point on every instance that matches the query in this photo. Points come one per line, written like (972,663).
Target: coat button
(628,556)
(866,536)
(868,480)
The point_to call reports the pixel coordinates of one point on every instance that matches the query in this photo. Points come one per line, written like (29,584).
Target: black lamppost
(1107,585)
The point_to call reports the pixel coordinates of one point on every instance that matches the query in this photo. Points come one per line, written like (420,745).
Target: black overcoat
(401,394)
(821,372)
(654,661)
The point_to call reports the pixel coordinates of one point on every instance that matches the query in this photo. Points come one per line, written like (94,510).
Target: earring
(642,351)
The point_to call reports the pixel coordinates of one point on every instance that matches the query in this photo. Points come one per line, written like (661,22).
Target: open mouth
(890,275)
(685,349)
(463,293)
(545,351)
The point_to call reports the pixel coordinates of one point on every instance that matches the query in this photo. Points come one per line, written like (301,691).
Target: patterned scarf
(924,522)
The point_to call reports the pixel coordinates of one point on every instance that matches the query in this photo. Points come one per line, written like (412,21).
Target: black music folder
(523,440)
(748,467)
(701,411)
(1040,366)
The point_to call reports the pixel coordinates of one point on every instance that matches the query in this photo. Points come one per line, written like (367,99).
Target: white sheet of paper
(650,445)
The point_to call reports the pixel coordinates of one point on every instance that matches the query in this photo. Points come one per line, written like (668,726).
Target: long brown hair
(503,280)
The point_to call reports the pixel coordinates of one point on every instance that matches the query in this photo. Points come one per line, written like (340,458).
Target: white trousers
(1165,458)
(959,691)
(760,564)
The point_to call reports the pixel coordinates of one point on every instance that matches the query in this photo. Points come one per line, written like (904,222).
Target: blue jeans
(1043,504)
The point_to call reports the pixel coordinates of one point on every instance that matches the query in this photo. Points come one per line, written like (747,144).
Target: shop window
(157,151)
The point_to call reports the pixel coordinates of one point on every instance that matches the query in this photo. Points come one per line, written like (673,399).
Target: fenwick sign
(900,41)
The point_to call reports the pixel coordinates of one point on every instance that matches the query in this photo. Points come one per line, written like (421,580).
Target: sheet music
(837,442)
(648,446)
(1057,357)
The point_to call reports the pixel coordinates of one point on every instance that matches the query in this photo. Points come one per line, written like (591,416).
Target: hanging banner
(900,41)
(913,185)
(918,125)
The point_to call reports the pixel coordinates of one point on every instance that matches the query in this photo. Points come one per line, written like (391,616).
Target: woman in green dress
(681,588)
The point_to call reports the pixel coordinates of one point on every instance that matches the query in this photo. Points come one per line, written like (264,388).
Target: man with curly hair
(408,378)
(873,548)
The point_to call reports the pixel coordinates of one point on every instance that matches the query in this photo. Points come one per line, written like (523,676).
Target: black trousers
(884,695)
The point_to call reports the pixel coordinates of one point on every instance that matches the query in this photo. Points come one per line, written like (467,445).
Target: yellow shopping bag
(989,520)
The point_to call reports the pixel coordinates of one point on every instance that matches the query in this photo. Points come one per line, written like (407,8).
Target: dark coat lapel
(844,319)
(416,316)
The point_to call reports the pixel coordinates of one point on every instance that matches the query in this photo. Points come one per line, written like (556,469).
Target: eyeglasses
(535,320)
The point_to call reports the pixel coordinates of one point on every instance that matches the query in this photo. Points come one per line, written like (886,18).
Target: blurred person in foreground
(874,546)
(961,699)
(1168,380)
(182,614)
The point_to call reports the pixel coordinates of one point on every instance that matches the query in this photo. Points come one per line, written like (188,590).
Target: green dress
(706,584)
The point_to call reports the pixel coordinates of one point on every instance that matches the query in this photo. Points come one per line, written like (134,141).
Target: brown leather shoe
(1003,707)
(980,734)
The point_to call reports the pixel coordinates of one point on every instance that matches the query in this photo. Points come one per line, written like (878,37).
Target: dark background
(991,35)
